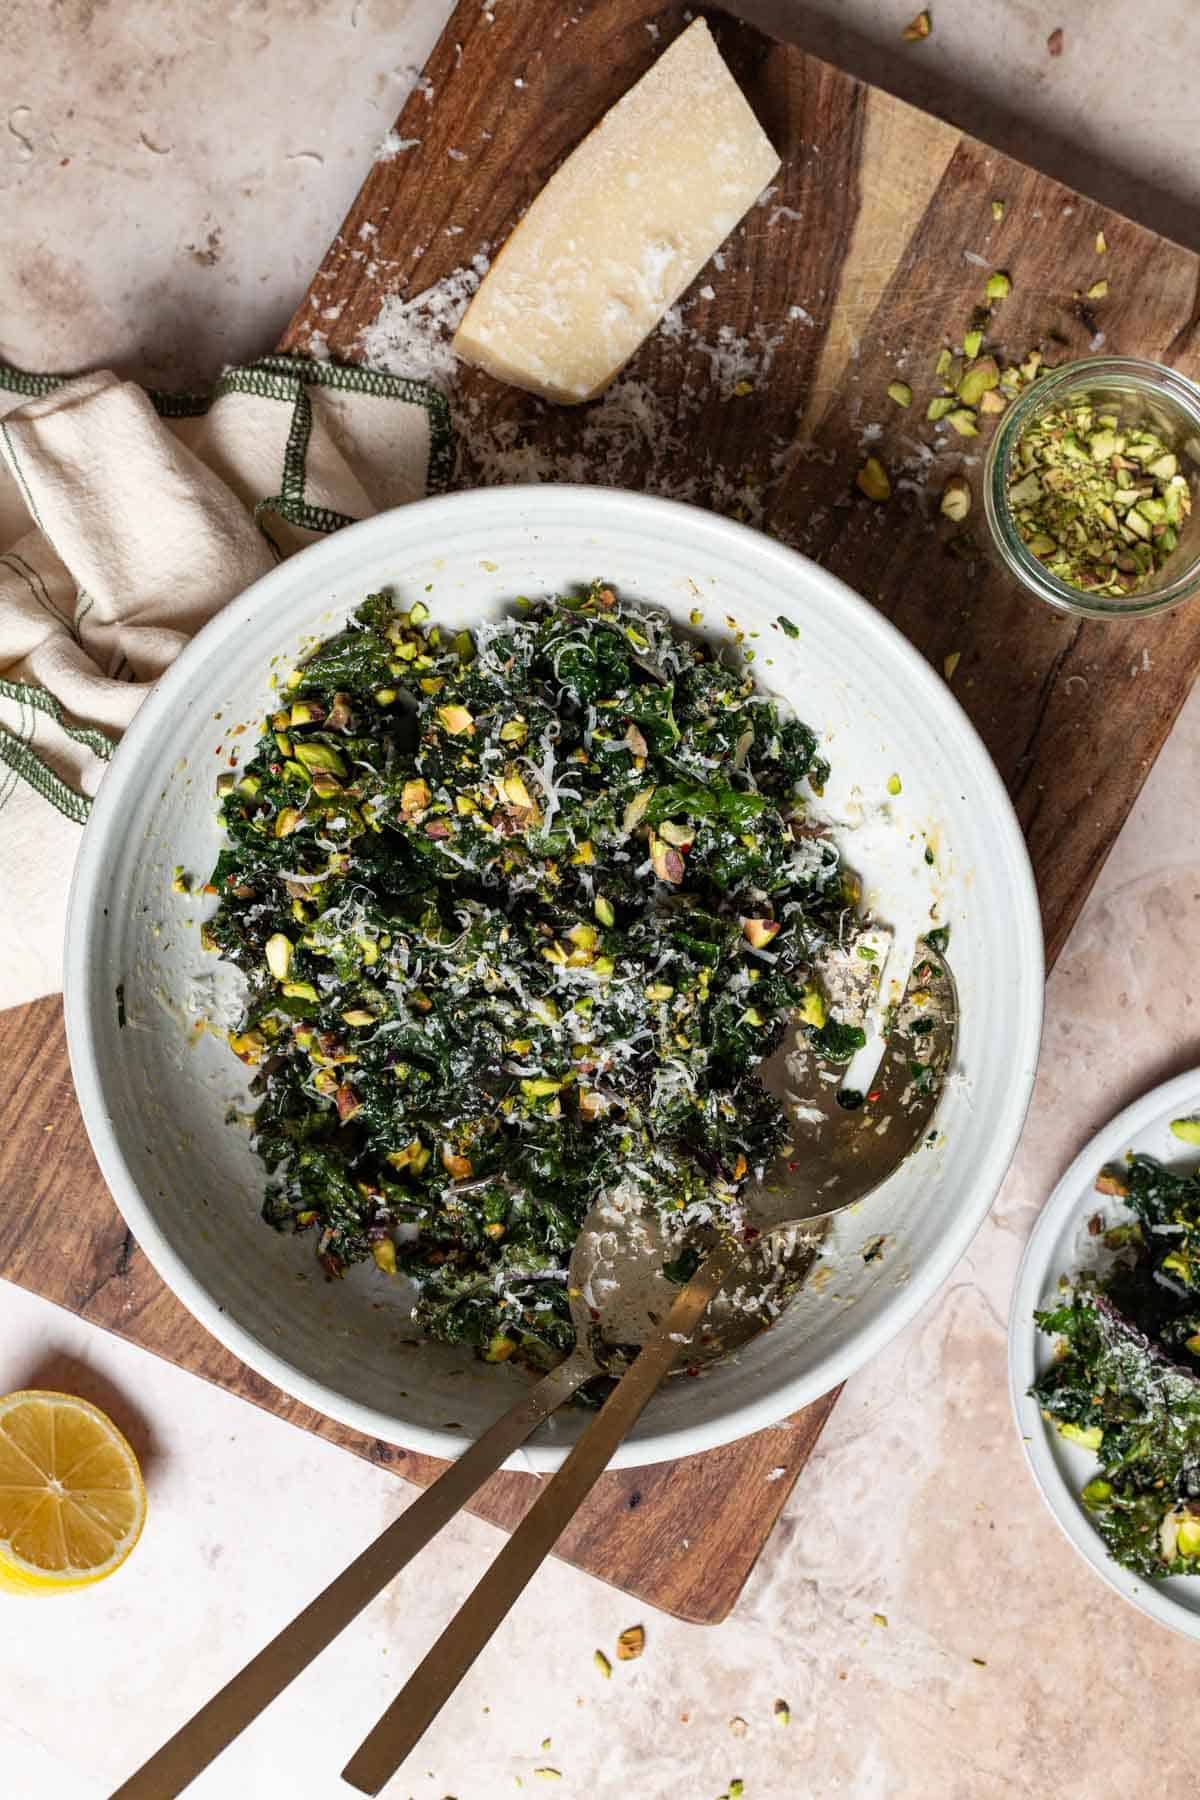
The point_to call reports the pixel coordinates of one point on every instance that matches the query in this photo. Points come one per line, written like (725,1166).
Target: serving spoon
(840,1147)
(775,1263)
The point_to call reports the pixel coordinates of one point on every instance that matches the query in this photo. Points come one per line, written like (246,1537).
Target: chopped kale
(489,894)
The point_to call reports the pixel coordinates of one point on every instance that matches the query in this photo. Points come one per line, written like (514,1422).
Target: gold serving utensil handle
(265,1676)
(431,1685)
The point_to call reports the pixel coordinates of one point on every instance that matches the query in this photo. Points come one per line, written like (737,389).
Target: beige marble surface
(168,176)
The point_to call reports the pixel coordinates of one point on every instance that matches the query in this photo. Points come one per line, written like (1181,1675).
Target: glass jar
(1142,393)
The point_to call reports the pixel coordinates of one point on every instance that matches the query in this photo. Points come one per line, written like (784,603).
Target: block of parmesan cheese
(621,228)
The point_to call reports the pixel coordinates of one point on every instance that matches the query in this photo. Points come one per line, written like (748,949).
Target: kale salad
(1126,1384)
(519,911)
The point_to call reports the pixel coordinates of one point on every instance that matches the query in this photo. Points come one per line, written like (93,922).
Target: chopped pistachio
(631,1643)
(1097,497)
(963,421)
(783,1713)
(758,932)
(1186,1130)
(278,952)
(1101,243)
(950,663)
(1088,1437)
(812,1005)
(997,210)
(999,286)
(514,731)
(873,480)
(666,862)
(918,28)
(320,756)
(286,821)
(893,784)
(980,376)
(972,343)
(942,366)
(456,720)
(879,1619)
(1188,1541)
(384,1253)
(636,809)
(514,790)
(993,402)
(1096,1492)
(1098,290)
(956,498)
(939,406)
(603,910)
(900,392)
(602,1663)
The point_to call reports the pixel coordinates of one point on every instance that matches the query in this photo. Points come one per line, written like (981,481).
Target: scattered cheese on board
(621,228)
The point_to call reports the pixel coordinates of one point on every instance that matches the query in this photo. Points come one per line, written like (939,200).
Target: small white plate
(1060,1245)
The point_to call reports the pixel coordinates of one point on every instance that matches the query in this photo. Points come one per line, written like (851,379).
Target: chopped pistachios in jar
(1099,501)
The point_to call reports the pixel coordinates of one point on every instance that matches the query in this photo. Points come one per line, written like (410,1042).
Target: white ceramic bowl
(155,1093)
(1061,1245)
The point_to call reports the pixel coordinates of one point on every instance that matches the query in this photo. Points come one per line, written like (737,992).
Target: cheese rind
(621,228)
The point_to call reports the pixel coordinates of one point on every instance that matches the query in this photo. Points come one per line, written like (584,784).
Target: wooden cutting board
(869,252)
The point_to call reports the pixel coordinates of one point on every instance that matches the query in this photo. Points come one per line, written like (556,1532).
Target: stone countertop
(170,177)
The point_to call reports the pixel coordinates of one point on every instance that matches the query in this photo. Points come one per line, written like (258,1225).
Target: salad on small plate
(1104,1353)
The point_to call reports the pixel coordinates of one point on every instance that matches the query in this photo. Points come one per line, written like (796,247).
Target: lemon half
(72,1504)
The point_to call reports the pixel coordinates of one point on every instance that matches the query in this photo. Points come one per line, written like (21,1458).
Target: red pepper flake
(1054,43)
(875,1094)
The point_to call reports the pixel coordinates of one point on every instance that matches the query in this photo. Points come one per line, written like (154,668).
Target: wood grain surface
(869,253)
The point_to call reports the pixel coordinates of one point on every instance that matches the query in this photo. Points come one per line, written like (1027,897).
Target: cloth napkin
(127,520)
